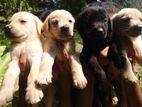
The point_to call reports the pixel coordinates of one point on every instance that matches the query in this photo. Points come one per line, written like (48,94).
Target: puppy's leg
(47,61)
(7,88)
(127,71)
(33,94)
(78,77)
(85,96)
(45,75)
(114,97)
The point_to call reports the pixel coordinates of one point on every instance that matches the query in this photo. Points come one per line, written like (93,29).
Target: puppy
(127,25)
(94,26)
(24,32)
(58,30)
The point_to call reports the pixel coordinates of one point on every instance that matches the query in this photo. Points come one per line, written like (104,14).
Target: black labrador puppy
(94,26)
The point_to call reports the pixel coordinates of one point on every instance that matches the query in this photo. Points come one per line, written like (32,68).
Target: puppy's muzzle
(136,30)
(7,29)
(64,29)
(65,32)
(100,30)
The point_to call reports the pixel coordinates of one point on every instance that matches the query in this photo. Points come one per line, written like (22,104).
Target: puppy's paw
(114,101)
(79,80)
(33,95)
(130,76)
(44,79)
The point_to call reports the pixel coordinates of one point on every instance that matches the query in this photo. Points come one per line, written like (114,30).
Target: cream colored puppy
(24,32)
(58,30)
(127,25)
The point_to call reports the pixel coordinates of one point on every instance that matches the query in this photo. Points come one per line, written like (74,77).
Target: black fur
(92,18)
(87,24)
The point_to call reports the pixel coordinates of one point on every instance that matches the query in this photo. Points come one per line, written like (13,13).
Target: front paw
(33,95)
(114,101)
(43,79)
(79,80)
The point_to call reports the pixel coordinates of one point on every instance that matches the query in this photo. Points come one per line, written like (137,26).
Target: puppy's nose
(65,29)
(137,27)
(100,29)
(7,29)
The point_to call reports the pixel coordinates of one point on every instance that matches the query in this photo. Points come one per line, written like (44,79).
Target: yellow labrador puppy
(127,25)
(24,32)
(58,31)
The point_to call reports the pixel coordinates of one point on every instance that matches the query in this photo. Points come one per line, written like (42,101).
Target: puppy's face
(59,24)
(128,22)
(93,23)
(23,25)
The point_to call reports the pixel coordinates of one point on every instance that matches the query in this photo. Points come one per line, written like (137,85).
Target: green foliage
(4,60)
(129,3)
(8,105)
(74,6)
(78,38)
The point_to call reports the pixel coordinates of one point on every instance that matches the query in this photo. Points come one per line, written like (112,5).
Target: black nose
(137,29)
(64,29)
(7,29)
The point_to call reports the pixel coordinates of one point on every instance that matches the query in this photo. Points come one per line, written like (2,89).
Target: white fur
(51,49)
(30,31)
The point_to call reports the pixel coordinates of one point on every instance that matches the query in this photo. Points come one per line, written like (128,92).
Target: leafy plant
(4,60)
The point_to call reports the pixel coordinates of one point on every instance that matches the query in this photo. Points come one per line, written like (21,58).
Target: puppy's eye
(22,21)
(105,20)
(70,21)
(55,23)
(125,18)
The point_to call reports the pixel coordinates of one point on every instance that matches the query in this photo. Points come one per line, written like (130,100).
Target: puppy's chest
(63,55)
(63,52)
(30,50)
(135,51)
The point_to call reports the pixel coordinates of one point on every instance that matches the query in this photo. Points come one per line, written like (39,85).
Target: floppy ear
(39,25)
(114,16)
(46,24)
(110,28)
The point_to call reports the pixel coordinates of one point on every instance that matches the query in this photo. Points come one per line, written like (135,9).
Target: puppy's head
(93,23)
(59,24)
(127,22)
(23,25)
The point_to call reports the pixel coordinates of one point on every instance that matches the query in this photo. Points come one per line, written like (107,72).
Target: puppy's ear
(39,25)
(114,17)
(45,26)
(110,27)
